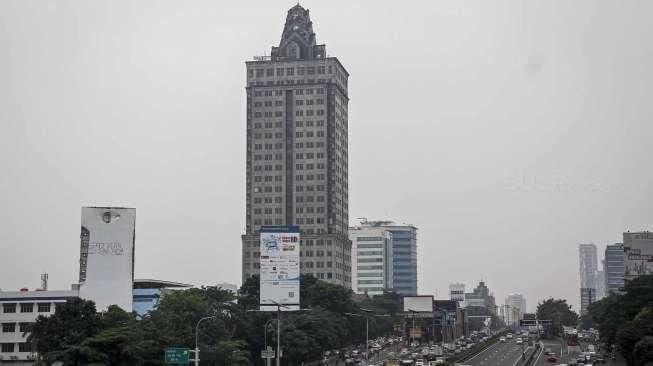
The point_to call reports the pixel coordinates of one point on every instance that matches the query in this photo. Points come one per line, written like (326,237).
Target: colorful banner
(279,268)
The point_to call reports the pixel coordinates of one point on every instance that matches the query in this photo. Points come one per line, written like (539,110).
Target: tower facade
(587,265)
(297,151)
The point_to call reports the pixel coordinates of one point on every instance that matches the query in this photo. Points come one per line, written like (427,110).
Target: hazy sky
(507,131)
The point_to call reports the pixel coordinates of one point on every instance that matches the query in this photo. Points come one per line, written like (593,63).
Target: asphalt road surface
(500,354)
(554,346)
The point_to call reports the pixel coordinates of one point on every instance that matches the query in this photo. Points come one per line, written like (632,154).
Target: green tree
(632,333)
(559,313)
(59,337)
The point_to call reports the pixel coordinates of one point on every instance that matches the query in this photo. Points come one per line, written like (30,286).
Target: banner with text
(279,268)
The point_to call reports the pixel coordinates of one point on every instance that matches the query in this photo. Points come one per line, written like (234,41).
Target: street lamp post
(197,350)
(265,339)
(279,306)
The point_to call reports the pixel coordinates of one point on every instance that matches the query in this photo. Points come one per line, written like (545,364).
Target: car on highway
(509,336)
(502,339)
(519,341)
(551,357)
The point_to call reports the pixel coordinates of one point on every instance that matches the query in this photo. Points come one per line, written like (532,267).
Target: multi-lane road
(550,345)
(506,353)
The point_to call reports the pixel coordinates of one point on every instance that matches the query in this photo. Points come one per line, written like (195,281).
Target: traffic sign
(267,353)
(177,355)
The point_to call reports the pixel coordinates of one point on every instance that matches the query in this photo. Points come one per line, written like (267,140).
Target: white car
(502,339)
(519,341)
(509,335)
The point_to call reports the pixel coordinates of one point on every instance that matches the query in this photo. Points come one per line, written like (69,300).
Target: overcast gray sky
(507,131)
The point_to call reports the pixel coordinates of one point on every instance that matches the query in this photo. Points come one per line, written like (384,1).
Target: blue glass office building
(614,267)
(404,253)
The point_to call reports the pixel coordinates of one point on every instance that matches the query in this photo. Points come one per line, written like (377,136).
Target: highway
(499,354)
(554,346)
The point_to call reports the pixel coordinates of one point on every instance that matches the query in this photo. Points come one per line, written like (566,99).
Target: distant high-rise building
(481,297)
(372,261)
(297,151)
(588,262)
(638,254)
(404,255)
(515,308)
(600,285)
(457,292)
(106,264)
(614,267)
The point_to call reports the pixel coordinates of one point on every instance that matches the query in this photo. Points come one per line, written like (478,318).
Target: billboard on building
(638,254)
(279,260)
(107,256)
(418,303)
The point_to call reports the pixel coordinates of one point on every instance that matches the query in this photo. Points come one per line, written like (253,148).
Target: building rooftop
(150,283)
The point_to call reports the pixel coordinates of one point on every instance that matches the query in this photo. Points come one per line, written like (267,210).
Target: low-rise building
(18,310)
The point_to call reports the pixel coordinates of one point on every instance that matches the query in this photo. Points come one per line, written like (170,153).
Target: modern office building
(587,264)
(106,264)
(457,293)
(18,310)
(371,260)
(404,254)
(638,254)
(515,308)
(614,267)
(297,151)
(481,297)
(148,293)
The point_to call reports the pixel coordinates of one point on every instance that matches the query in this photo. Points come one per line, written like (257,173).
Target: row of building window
(298,156)
(370,282)
(11,347)
(369,238)
(367,246)
(370,260)
(8,308)
(289,71)
(268,114)
(11,327)
(309,112)
(291,82)
(279,93)
(373,252)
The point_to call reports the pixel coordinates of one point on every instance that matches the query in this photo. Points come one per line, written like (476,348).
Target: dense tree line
(626,319)
(559,313)
(78,335)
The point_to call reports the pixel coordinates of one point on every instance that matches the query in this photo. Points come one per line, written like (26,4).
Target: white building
(515,308)
(18,310)
(372,259)
(588,268)
(106,265)
(457,292)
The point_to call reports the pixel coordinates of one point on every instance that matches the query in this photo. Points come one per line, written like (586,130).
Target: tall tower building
(515,306)
(614,267)
(106,263)
(297,151)
(587,261)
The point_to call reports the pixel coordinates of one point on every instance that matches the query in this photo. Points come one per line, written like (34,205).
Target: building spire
(298,39)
